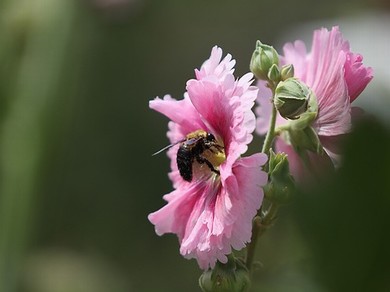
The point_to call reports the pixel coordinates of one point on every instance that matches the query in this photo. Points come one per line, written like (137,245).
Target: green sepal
(232,276)
(281,185)
(307,118)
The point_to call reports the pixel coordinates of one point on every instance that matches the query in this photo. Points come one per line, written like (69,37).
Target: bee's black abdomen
(184,162)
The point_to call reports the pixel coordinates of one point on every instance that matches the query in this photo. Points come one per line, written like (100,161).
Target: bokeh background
(77,179)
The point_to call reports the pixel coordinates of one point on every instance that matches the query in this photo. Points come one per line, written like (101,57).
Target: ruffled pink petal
(182,112)
(215,67)
(184,119)
(221,220)
(210,102)
(325,76)
(247,200)
(244,120)
(357,75)
(172,218)
(238,99)
(205,226)
(246,95)
(225,108)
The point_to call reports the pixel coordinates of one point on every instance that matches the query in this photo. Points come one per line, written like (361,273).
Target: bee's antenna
(161,150)
(167,147)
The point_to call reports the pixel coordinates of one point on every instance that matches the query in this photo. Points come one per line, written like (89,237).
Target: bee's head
(210,137)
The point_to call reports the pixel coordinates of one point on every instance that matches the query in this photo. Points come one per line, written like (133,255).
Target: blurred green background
(77,179)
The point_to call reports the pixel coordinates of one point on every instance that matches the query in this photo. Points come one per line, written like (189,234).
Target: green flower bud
(232,276)
(274,73)
(287,71)
(291,98)
(262,60)
(281,184)
(300,133)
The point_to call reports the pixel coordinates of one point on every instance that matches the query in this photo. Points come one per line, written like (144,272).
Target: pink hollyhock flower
(212,213)
(336,76)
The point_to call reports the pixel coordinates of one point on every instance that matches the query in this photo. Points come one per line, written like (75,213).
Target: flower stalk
(260,225)
(263,221)
(271,132)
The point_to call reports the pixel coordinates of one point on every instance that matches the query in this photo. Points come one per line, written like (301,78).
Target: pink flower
(212,213)
(336,76)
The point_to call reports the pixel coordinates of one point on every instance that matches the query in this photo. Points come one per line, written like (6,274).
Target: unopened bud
(281,184)
(274,73)
(232,276)
(291,98)
(262,60)
(287,71)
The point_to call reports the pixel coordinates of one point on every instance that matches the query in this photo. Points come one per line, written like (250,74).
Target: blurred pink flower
(213,213)
(336,76)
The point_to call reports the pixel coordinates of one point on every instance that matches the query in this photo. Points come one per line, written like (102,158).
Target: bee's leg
(202,160)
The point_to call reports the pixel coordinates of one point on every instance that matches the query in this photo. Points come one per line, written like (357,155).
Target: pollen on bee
(216,156)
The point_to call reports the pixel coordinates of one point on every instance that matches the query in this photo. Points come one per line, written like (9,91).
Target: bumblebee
(201,147)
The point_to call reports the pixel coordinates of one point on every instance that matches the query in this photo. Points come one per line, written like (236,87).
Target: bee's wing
(192,141)
(167,147)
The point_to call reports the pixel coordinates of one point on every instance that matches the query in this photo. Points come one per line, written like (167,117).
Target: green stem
(271,132)
(250,254)
(262,222)
(260,225)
